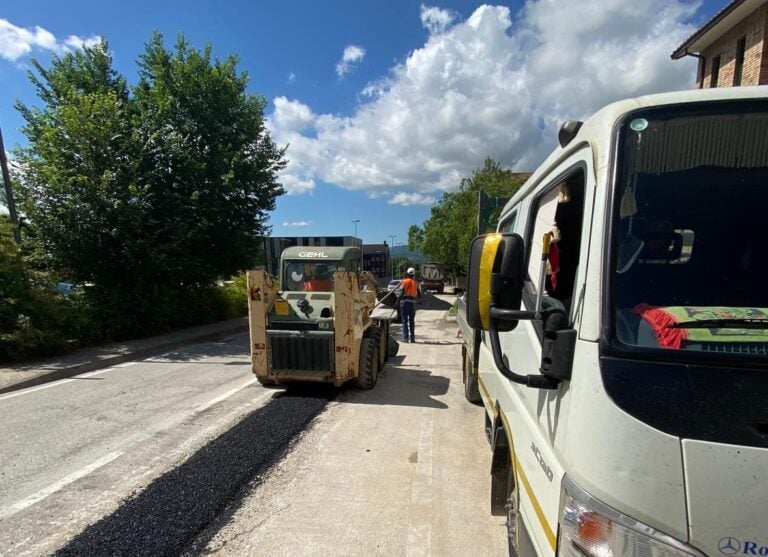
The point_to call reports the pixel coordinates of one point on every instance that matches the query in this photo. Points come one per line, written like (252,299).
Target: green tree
(13,291)
(208,159)
(415,238)
(452,224)
(151,192)
(400,265)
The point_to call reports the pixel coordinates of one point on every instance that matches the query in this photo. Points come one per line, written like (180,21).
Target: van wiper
(722,324)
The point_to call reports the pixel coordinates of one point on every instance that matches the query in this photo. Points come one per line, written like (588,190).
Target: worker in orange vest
(411,295)
(320,281)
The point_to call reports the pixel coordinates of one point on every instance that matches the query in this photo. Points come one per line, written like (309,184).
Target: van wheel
(369,366)
(471,384)
(512,514)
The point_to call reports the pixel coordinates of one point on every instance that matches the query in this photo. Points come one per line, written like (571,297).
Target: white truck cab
(622,315)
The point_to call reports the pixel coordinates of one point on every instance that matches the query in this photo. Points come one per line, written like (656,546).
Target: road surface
(186,454)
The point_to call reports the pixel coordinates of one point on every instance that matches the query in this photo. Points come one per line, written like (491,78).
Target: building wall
(755,71)
(764,60)
(376,260)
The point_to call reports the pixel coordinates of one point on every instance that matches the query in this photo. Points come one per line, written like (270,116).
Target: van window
(508,224)
(559,212)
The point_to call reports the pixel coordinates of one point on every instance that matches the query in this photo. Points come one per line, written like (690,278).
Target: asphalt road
(138,458)
(185,454)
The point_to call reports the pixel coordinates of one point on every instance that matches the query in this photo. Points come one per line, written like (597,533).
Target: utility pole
(356,221)
(391,260)
(9,192)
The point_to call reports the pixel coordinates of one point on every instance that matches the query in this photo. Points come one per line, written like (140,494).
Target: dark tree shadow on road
(402,386)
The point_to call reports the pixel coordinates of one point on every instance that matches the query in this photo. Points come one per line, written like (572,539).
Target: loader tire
(394,347)
(369,366)
(378,349)
(267,382)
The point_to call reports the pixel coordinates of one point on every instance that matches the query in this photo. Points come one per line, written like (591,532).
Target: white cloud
(406,199)
(16,42)
(492,85)
(78,43)
(352,55)
(436,20)
(296,184)
(291,77)
(299,223)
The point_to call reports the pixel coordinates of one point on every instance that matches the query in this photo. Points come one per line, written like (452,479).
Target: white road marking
(127,364)
(54,487)
(55,383)
(419,529)
(207,405)
(94,373)
(34,389)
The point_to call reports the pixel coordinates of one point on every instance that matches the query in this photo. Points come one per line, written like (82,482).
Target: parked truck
(320,325)
(433,277)
(620,334)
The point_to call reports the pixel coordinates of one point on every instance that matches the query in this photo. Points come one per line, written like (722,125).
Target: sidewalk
(28,374)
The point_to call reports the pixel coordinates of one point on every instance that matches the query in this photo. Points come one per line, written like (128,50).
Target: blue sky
(424,93)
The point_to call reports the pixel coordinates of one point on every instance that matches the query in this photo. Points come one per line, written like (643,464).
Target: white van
(622,310)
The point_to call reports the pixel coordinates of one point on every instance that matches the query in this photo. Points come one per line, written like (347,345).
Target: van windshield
(689,230)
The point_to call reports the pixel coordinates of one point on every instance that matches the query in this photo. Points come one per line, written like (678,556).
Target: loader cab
(311,268)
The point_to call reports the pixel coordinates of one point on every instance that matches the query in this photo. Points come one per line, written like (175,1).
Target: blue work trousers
(408,315)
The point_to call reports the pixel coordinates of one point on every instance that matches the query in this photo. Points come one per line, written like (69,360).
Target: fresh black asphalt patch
(167,516)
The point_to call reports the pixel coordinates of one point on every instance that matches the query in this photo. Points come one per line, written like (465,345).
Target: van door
(561,206)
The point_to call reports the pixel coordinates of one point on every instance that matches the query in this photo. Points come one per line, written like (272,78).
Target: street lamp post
(356,221)
(391,259)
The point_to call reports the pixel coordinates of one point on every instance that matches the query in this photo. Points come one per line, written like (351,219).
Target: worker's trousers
(408,316)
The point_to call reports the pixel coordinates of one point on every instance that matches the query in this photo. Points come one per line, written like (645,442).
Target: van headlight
(589,527)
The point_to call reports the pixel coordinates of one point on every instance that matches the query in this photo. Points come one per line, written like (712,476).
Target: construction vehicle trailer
(433,277)
(319,326)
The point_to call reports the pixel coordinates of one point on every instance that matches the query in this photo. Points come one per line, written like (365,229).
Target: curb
(137,354)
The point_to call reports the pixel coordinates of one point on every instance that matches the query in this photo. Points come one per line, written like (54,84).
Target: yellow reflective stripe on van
(484,393)
(488,257)
(548,532)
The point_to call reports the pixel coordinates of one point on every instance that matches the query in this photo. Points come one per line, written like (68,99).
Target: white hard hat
(411,271)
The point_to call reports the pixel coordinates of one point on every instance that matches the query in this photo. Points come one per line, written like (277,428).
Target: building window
(701,70)
(715,71)
(741,47)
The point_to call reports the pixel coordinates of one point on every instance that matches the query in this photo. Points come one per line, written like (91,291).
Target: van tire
(369,366)
(471,384)
(512,513)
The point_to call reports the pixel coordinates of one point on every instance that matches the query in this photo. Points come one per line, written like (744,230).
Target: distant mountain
(402,251)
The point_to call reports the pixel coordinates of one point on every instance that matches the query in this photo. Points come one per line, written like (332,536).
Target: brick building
(732,47)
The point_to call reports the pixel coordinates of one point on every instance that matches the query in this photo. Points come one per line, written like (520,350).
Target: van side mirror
(495,279)
(494,294)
